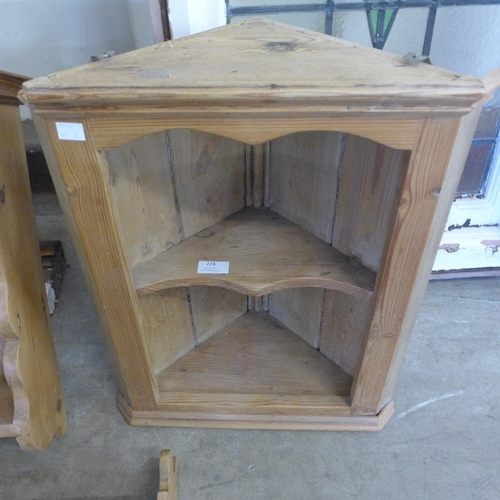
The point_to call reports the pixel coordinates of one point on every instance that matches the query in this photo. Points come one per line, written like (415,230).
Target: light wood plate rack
(31,405)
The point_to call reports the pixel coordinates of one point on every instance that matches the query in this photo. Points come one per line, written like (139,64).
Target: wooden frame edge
(333,423)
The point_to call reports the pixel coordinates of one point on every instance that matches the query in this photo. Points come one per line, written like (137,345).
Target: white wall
(140,19)
(465,39)
(39,37)
(192,16)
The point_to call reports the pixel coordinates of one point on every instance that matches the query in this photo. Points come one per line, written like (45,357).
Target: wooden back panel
(166,187)
(342,188)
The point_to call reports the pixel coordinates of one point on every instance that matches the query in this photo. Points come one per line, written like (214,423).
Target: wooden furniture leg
(168,476)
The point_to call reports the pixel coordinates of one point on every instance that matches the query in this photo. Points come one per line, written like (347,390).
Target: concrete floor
(443,442)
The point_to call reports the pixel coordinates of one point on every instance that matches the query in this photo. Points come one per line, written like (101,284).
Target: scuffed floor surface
(443,442)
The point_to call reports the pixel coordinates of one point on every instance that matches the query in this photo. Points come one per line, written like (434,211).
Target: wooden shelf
(255,373)
(266,253)
(255,354)
(257,368)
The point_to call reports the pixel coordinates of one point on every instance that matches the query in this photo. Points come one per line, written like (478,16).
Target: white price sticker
(70,131)
(212,267)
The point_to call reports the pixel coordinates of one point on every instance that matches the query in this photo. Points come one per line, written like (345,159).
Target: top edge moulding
(256,63)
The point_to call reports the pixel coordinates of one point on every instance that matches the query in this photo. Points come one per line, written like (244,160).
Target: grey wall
(41,37)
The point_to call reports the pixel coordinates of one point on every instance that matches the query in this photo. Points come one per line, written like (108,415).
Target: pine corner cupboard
(320,170)
(31,404)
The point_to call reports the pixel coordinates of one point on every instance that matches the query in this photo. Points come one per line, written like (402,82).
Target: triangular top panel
(257,63)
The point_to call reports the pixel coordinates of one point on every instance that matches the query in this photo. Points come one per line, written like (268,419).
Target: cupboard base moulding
(264,422)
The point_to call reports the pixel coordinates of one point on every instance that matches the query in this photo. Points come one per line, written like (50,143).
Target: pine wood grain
(370,184)
(29,360)
(209,178)
(248,175)
(266,64)
(257,161)
(254,355)
(304,170)
(456,161)
(267,174)
(426,197)
(255,127)
(331,417)
(167,325)
(167,489)
(300,310)
(7,411)
(80,177)
(255,82)
(209,173)
(343,327)
(213,308)
(266,253)
(142,192)
(254,405)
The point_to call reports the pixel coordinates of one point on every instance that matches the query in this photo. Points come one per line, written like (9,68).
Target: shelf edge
(217,281)
(316,263)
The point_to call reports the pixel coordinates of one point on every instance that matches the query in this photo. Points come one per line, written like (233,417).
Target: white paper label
(212,267)
(70,131)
